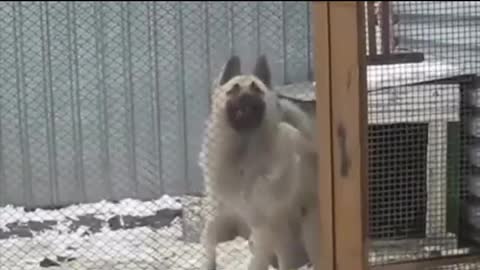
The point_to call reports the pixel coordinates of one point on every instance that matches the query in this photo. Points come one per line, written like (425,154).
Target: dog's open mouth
(245,114)
(242,112)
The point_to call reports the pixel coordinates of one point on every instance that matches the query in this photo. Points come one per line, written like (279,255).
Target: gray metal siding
(108,100)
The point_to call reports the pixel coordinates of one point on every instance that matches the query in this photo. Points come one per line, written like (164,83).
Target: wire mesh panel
(422,130)
(103,110)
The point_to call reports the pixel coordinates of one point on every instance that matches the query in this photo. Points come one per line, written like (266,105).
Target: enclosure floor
(138,248)
(149,247)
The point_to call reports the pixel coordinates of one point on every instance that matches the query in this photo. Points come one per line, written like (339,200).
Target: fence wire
(102,114)
(103,110)
(422,131)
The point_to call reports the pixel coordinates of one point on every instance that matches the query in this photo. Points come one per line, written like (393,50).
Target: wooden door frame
(341,102)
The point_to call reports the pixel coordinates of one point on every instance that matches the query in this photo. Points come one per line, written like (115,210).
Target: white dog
(260,160)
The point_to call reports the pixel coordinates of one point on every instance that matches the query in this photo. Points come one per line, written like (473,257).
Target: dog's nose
(246,99)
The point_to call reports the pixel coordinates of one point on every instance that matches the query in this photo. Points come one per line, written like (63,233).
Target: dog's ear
(232,69)
(262,71)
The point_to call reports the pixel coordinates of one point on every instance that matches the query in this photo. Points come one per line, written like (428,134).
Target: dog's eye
(255,89)
(234,90)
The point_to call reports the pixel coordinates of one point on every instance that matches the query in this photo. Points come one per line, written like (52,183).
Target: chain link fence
(422,155)
(103,109)
(102,112)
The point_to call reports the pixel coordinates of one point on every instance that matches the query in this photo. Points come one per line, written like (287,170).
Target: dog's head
(244,98)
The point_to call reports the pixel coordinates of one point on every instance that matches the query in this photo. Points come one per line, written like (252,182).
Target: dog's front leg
(221,228)
(311,236)
(262,250)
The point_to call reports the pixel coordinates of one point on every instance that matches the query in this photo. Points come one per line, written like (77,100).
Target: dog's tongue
(240,113)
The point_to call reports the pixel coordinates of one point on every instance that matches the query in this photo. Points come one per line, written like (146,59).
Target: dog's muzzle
(245,112)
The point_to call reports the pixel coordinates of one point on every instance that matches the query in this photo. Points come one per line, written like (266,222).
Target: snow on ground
(102,210)
(142,248)
(139,248)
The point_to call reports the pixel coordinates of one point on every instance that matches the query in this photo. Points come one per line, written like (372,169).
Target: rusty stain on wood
(344,157)
(349,80)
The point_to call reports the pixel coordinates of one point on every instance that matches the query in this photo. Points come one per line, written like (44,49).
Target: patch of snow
(101,210)
(409,73)
(139,248)
(383,76)
(130,249)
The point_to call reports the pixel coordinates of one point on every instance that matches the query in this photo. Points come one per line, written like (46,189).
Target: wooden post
(323,115)
(342,123)
(349,124)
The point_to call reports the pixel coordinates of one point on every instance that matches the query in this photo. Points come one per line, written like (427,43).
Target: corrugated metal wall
(108,100)
(429,27)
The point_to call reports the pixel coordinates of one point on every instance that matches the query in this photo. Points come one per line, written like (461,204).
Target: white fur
(259,183)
